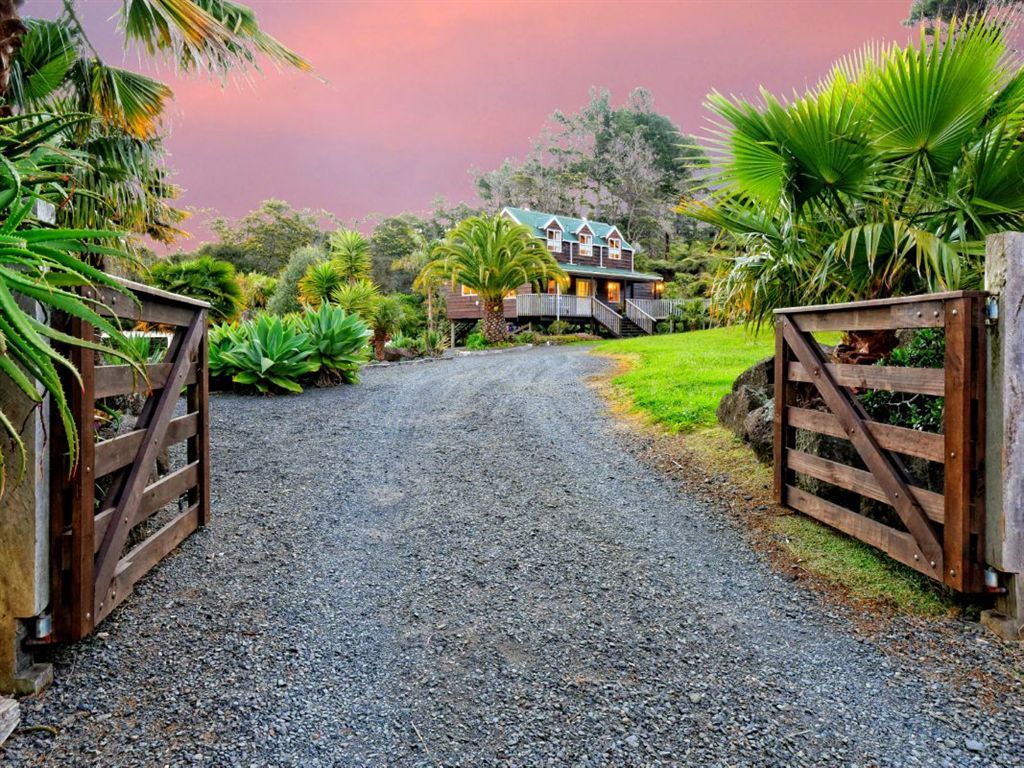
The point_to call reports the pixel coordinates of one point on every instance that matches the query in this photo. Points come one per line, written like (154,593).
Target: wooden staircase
(635,322)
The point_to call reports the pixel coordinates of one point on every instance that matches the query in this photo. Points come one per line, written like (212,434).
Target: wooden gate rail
(90,572)
(943,532)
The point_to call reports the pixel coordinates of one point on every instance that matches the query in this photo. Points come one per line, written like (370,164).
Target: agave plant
(271,354)
(44,268)
(222,338)
(883,180)
(338,341)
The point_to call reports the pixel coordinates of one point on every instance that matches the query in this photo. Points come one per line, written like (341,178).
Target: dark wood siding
(469,308)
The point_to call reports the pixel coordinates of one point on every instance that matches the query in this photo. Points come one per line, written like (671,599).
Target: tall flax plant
(882,180)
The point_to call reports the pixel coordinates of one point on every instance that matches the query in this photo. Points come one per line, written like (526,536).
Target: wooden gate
(941,533)
(113,490)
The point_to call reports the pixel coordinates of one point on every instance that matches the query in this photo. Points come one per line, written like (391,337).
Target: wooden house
(604,288)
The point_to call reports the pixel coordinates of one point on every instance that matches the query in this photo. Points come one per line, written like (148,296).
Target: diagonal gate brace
(852,418)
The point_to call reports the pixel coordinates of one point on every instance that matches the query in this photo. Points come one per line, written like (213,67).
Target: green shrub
(338,340)
(257,289)
(476,340)
(926,349)
(559,328)
(357,298)
(433,343)
(204,278)
(401,341)
(271,354)
(286,294)
(526,337)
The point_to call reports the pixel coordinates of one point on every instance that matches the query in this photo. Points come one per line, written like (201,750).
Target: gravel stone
(468,565)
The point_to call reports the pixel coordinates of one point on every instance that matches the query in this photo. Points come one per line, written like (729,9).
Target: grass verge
(674,383)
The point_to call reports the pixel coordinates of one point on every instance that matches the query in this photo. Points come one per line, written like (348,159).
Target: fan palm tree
(492,256)
(350,252)
(883,180)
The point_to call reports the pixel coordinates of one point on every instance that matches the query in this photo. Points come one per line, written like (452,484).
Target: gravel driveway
(464,563)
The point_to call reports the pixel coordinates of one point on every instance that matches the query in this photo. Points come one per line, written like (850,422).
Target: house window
(555,239)
(585,241)
(468,291)
(614,292)
(583,288)
(614,248)
(510,294)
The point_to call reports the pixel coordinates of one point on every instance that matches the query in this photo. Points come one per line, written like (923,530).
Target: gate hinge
(992,310)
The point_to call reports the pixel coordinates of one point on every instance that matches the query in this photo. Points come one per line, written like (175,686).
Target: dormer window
(585,243)
(614,248)
(555,239)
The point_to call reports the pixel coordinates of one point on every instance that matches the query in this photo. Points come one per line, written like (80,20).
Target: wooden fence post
(1004,432)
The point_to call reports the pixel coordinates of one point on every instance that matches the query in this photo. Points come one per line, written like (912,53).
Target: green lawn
(679,378)
(677,382)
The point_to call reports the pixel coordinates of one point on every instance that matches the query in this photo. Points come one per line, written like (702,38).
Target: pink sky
(415,94)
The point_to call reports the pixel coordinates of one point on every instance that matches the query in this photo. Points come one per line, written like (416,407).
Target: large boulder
(733,410)
(759,428)
(760,376)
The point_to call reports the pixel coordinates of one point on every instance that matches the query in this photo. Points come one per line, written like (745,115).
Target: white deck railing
(552,305)
(608,317)
(639,316)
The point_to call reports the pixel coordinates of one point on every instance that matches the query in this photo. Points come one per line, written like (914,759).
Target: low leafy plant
(559,328)
(222,338)
(433,343)
(338,340)
(257,289)
(204,278)
(400,341)
(925,349)
(526,337)
(476,340)
(272,354)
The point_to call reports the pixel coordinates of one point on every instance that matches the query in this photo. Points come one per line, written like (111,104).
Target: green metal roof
(586,269)
(537,220)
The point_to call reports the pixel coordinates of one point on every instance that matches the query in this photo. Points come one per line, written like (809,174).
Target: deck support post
(1004,438)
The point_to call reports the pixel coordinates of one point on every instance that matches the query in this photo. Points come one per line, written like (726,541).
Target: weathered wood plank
(924,381)
(959,474)
(781,425)
(155,309)
(199,445)
(871,303)
(139,561)
(10,716)
(885,468)
(119,451)
(898,545)
(159,494)
(923,314)
(128,501)
(859,481)
(910,442)
(113,380)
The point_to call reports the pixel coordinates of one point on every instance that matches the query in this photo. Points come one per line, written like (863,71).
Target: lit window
(614,248)
(510,294)
(555,239)
(468,291)
(614,292)
(585,241)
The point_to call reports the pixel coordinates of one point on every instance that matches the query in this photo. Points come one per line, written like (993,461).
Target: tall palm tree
(350,252)
(492,256)
(883,180)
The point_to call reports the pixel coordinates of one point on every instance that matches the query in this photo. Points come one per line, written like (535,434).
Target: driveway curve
(464,563)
